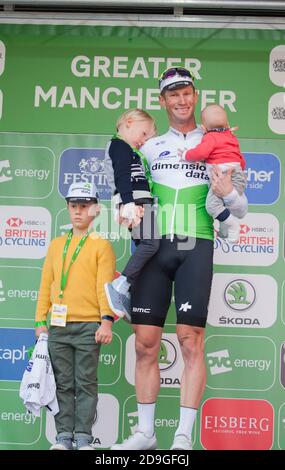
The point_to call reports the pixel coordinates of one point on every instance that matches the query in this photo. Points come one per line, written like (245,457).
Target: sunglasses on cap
(171,72)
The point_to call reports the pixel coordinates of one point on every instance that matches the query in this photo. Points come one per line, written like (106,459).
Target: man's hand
(221,182)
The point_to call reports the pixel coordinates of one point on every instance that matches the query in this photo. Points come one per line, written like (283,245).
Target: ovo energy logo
(219,362)
(5,171)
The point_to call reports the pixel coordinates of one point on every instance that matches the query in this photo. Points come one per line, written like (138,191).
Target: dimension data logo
(263,178)
(240,363)
(86,165)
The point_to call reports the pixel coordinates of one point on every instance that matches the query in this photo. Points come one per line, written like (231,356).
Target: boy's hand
(40,329)
(104,333)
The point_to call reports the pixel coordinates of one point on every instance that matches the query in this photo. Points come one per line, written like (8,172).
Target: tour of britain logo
(83,165)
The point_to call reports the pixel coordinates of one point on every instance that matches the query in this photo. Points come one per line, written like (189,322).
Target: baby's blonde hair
(214,116)
(135,114)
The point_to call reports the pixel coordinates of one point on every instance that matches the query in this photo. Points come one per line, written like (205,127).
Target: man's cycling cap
(175,77)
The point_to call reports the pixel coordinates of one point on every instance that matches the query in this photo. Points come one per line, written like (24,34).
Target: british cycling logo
(86,165)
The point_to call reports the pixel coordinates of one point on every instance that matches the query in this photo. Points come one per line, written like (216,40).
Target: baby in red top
(220,147)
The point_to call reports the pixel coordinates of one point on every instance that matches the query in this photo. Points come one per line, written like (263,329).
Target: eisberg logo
(86,165)
(14,345)
(237,424)
(263,178)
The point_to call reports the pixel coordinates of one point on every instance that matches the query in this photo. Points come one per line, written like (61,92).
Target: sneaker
(137,441)
(119,303)
(84,443)
(63,443)
(181,442)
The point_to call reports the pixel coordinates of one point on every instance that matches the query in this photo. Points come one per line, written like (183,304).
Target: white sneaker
(181,442)
(87,447)
(137,441)
(59,446)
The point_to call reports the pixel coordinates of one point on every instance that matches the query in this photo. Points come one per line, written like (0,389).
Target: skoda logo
(239,294)
(167,355)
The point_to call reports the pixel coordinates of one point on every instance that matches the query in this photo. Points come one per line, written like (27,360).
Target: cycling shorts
(186,262)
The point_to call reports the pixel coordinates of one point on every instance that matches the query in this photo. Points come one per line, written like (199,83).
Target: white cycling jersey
(181,187)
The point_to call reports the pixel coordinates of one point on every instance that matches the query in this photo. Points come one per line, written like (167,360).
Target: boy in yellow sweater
(75,270)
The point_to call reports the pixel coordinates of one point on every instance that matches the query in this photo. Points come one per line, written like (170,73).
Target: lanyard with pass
(59,311)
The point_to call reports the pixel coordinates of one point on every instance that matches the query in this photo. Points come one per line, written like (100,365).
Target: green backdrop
(62,87)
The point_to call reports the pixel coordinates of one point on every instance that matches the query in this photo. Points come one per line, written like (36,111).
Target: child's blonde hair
(135,114)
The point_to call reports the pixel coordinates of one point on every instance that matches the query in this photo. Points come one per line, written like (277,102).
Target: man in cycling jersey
(185,258)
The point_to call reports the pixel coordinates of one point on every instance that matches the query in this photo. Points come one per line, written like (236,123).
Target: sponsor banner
(240,362)
(110,361)
(14,345)
(281,427)
(104,434)
(18,292)
(282,365)
(258,243)
(276,113)
(17,425)
(263,177)
(166,419)
(237,424)
(277,65)
(26,172)
(24,232)
(169,360)
(243,301)
(84,164)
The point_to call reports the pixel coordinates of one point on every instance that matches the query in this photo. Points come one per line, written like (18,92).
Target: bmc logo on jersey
(263,178)
(237,424)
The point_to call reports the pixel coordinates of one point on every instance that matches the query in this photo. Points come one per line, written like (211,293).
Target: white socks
(186,421)
(146,418)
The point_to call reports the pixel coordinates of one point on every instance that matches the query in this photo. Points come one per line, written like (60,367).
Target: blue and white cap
(82,192)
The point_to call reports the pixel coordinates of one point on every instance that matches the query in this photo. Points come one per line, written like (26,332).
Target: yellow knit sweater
(84,292)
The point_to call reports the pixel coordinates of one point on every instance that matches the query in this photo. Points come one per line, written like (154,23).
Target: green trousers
(74,356)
